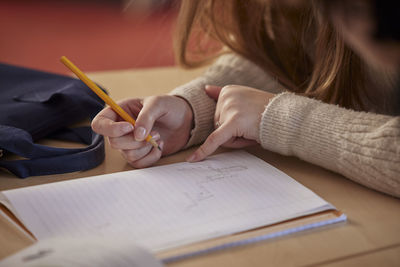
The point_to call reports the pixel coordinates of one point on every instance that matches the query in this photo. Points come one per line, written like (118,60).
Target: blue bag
(34,105)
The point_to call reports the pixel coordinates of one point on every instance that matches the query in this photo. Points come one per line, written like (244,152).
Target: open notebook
(175,210)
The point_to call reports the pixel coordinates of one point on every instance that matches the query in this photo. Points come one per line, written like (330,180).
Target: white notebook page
(168,206)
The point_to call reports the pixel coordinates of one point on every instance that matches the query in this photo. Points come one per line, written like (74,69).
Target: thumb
(213,91)
(146,119)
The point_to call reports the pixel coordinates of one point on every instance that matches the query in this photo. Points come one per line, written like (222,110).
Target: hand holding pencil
(104,96)
(168,118)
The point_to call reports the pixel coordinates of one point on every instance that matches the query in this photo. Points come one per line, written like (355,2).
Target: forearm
(364,147)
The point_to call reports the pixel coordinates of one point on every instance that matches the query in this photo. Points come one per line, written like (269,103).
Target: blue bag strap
(76,134)
(45,160)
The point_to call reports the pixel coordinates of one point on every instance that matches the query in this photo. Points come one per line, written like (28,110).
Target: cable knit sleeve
(364,147)
(227,70)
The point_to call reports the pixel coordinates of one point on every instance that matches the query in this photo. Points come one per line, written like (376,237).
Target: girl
(284,78)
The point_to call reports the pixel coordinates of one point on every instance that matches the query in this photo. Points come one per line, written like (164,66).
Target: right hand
(167,118)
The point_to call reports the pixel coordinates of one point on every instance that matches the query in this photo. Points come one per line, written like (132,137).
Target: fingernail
(156,136)
(210,86)
(126,128)
(140,133)
(191,158)
(162,145)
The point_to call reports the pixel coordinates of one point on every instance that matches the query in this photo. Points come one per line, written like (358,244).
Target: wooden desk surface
(370,237)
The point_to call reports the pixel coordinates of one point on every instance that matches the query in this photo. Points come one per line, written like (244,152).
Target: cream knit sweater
(364,147)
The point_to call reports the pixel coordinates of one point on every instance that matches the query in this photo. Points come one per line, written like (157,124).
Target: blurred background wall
(96,35)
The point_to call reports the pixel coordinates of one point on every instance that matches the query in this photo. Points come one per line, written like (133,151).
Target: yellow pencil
(104,96)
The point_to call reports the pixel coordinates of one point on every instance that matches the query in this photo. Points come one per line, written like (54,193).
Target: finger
(109,113)
(133,155)
(213,91)
(131,106)
(129,142)
(150,112)
(107,121)
(218,109)
(214,140)
(239,143)
(217,115)
(150,158)
(104,123)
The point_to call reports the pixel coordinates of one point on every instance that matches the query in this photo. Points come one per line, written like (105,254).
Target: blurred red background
(96,35)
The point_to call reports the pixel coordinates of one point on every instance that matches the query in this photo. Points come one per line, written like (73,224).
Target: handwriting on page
(208,175)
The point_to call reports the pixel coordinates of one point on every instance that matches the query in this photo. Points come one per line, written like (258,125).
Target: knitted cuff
(300,126)
(203,109)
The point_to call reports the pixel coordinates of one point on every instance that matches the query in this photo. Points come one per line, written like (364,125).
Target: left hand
(237,117)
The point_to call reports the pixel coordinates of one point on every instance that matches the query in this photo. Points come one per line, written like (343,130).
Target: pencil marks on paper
(209,174)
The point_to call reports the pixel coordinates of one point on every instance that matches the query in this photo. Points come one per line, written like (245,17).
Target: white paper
(82,252)
(168,206)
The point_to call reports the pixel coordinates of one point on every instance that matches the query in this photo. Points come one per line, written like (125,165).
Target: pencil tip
(159,148)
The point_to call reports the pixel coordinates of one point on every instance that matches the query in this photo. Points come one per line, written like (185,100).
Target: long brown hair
(297,45)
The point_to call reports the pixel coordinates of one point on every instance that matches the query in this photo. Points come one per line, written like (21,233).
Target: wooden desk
(371,237)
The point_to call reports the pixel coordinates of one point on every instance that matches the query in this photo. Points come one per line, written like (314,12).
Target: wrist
(188,119)
(188,112)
